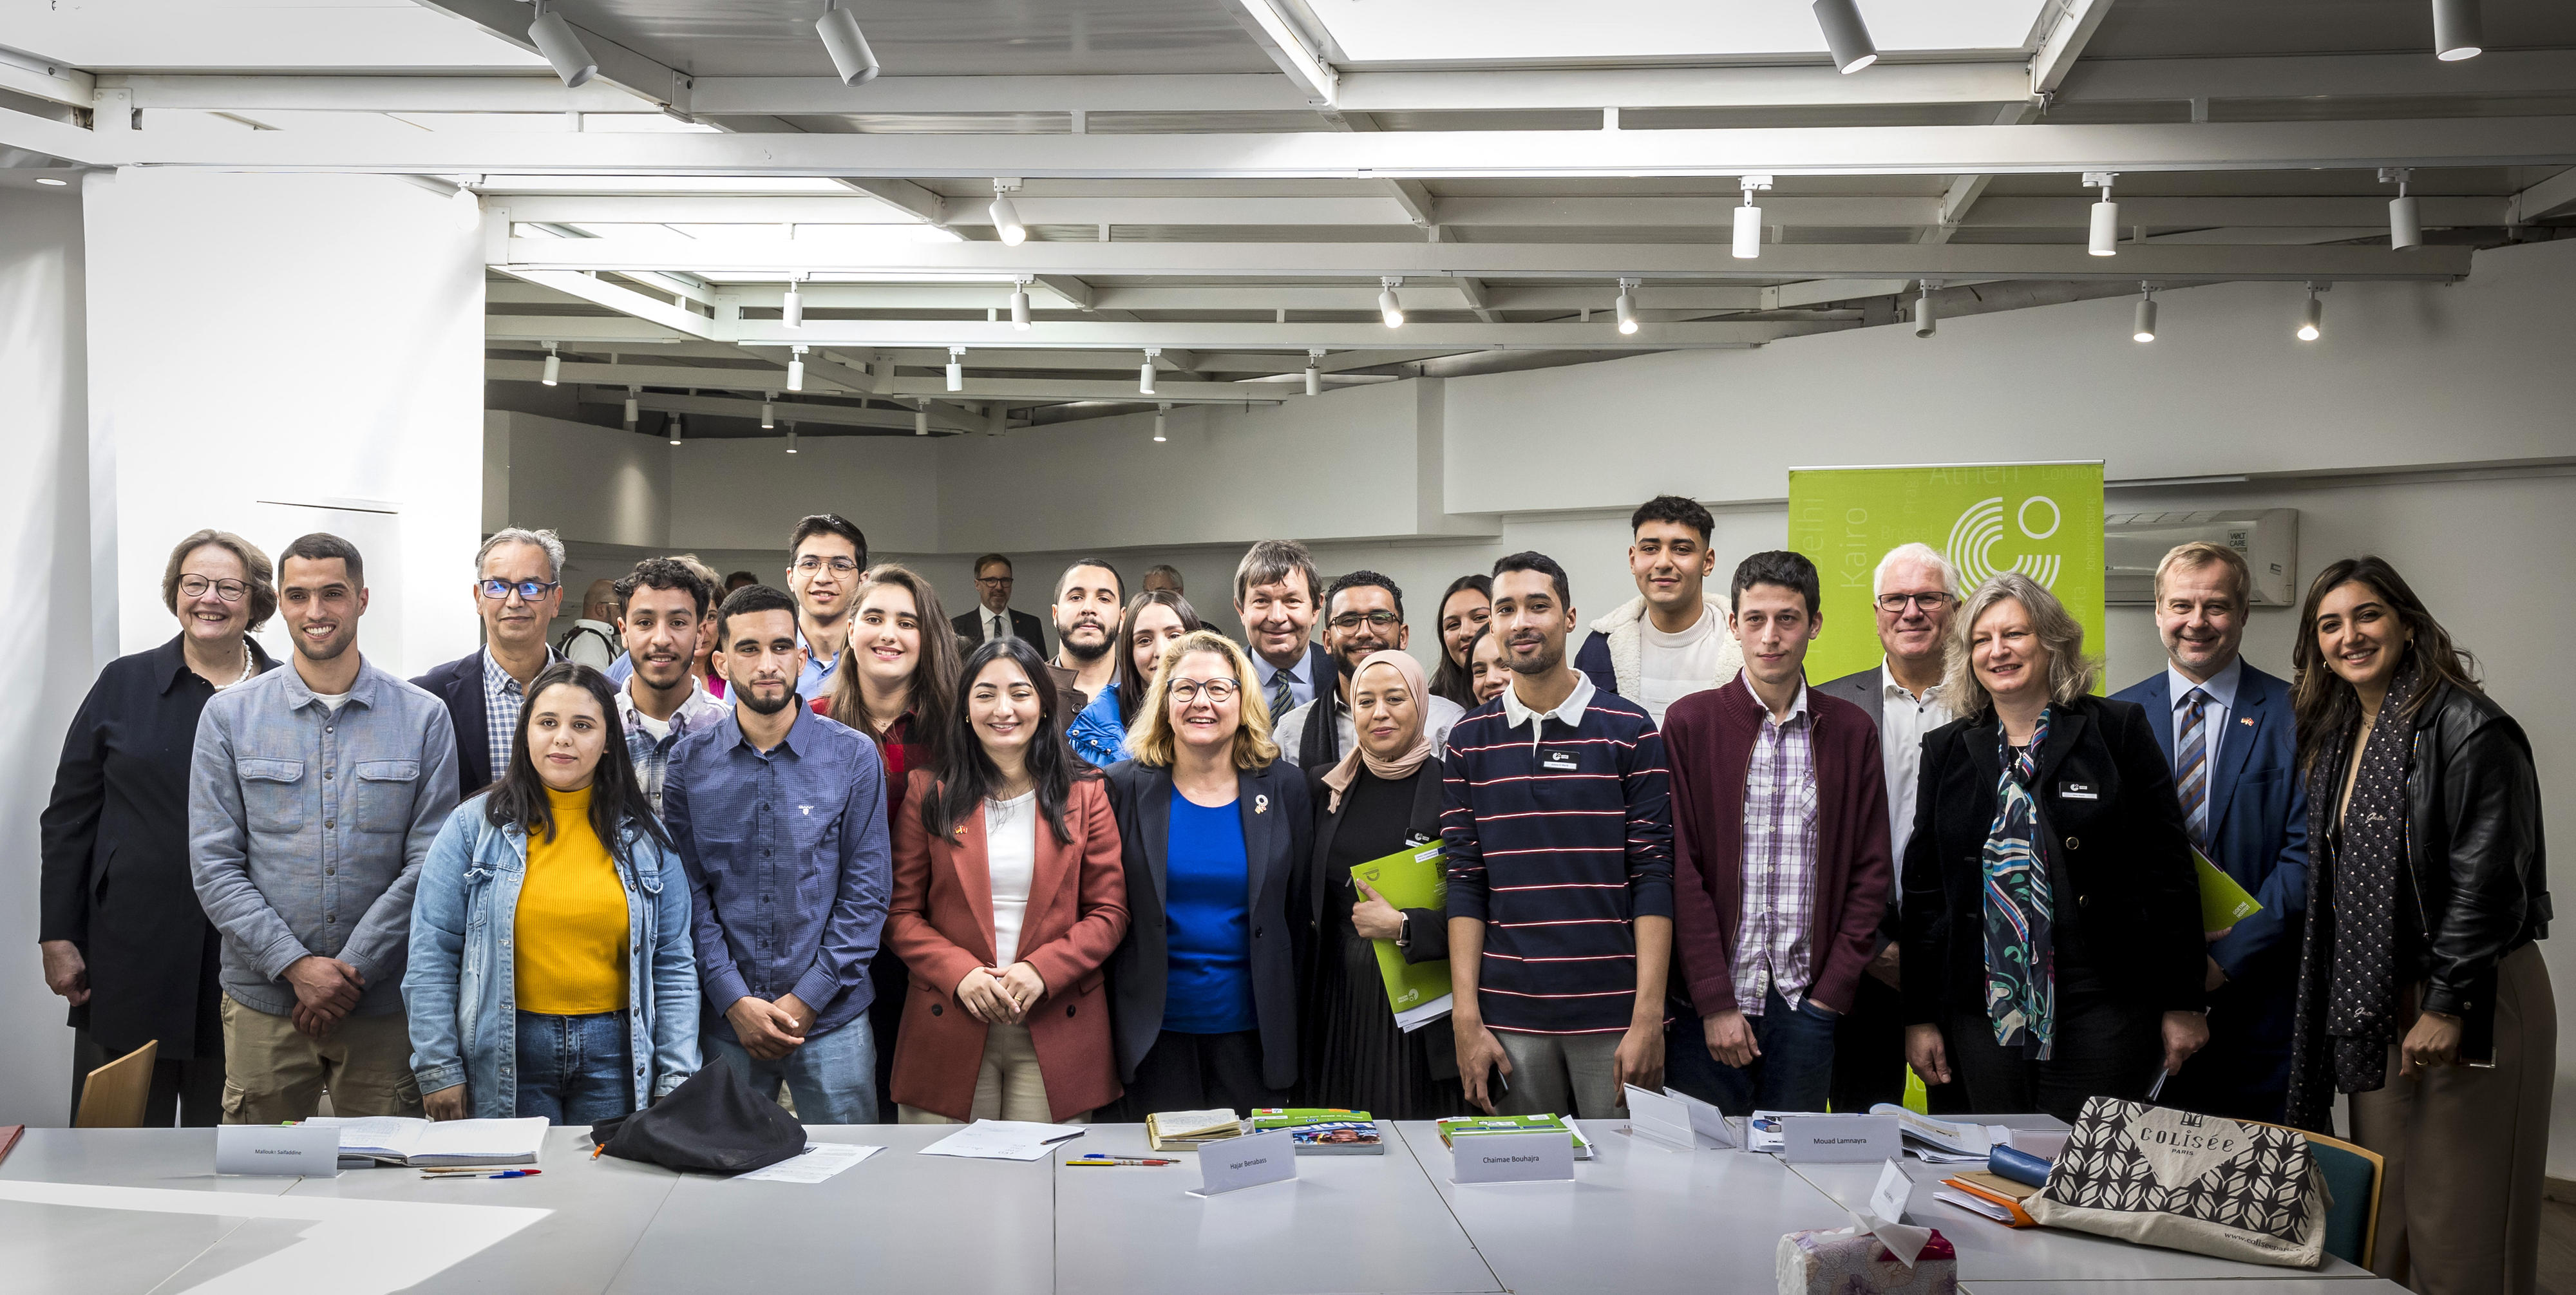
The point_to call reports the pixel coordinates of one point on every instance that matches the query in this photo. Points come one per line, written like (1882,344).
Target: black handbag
(712,1123)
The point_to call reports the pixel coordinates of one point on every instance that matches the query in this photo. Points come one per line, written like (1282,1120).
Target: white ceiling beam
(1420,208)
(1070,290)
(2498,72)
(1473,291)
(1446,293)
(58,139)
(2012,212)
(1965,190)
(998,262)
(535,92)
(45,79)
(1271,29)
(619,66)
(628,301)
(704,378)
(944,417)
(1292,336)
(2064,43)
(2542,199)
(1820,150)
(1179,391)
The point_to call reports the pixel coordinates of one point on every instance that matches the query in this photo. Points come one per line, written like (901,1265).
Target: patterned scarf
(2021,965)
(2358,872)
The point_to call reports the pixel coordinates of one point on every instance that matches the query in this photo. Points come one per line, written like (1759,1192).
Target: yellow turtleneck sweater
(571,924)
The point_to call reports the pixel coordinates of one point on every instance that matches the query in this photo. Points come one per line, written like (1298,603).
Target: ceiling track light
(791,438)
(1161,412)
(956,368)
(2405,218)
(1020,306)
(1626,307)
(554,38)
(671,428)
(1006,217)
(554,367)
(1748,218)
(1925,323)
(2143,329)
(2106,215)
(791,308)
(1314,372)
(1846,35)
(851,57)
(796,368)
(921,418)
(1145,371)
(768,411)
(634,406)
(2459,30)
(2312,316)
(1388,308)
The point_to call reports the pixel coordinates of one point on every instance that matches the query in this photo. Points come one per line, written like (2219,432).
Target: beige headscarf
(1348,771)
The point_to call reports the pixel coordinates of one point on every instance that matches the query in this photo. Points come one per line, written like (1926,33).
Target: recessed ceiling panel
(225,35)
(1443,31)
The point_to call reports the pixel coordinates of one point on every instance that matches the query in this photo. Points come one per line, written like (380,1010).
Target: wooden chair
(114,1095)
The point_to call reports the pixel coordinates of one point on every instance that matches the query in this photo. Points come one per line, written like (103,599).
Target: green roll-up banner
(2042,519)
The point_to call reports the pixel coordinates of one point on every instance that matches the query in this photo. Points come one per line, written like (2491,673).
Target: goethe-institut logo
(1985,540)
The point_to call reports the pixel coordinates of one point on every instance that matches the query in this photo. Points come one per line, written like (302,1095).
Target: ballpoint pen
(1096,1158)
(450,1173)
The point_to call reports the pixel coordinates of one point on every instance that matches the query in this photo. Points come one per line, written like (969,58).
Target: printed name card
(1893,1193)
(278,1150)
(1659,1119)
(1249,1161)
(1511,1158)
(1840,1139)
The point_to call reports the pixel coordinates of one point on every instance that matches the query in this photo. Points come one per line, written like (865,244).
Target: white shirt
(1438,717)
(1903,720)
(1569,711)
(997,624)
(1673,666)
(2213,713)
(1011,857)
(332,701)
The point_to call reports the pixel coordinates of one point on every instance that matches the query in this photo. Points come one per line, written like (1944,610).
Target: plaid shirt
(503,699)
(1771,951)
(651,756)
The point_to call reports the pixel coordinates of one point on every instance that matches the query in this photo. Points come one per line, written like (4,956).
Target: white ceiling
(1430,32)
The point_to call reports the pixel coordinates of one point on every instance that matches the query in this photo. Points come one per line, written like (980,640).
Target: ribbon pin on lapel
(1261,804)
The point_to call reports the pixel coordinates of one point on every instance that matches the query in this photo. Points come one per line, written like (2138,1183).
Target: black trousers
(1192,1072)
(2108,1045)
(187,1092)
(1869,1056)
(892,981)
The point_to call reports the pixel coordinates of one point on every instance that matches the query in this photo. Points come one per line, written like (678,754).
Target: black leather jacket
(2473,840)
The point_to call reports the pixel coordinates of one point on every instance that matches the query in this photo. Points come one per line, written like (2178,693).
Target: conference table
(141,1212)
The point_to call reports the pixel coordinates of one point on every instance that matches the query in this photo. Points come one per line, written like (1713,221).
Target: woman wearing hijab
(1466,607)
(1381,798)
(2421,992)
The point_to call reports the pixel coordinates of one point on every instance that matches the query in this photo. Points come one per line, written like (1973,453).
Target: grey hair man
(517,589)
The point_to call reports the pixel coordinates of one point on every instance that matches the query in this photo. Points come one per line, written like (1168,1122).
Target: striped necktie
(2191,767)
(1281,699)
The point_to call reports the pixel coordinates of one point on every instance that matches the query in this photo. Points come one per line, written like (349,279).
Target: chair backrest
(114,1095)
(2353,1176)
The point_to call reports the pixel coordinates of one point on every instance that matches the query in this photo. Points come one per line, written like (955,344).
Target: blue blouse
(1209,986)
(1097,735)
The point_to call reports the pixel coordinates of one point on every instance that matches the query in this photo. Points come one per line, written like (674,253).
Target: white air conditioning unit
(2133,543)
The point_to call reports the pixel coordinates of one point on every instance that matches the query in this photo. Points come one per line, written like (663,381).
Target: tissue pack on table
(1849,1261)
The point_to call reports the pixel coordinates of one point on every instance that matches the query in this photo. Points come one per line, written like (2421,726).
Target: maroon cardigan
(1708,743)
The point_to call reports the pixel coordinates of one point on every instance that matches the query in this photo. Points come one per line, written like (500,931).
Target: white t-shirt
(332,701)
(657,729)
(1673,666)
(1011,856)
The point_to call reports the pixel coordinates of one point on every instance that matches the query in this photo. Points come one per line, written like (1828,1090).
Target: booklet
(2223,903)
(1323,1130)
(1461,1126)
(1413,877)
(395,1140)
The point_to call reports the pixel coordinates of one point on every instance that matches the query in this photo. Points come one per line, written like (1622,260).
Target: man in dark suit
(1276,597)
(518,587)
(1913,592)
(993,617)
(2228,731)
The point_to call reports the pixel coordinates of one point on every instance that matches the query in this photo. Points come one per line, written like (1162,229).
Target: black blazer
(1277,844)
(114,877)
(1429,940)
(970,628)
(459,683)
(2107,811)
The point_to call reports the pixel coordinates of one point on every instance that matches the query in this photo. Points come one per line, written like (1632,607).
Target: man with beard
(1274,597)
(314,794)
(1560,858)
(518,577)
(779,816)
(660,702)
(1088,598)
(1366,615)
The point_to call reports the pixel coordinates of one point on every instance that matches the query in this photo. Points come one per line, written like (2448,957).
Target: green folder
(2223,903)
(1413,877)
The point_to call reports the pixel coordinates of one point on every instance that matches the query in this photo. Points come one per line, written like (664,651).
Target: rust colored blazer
(941,923)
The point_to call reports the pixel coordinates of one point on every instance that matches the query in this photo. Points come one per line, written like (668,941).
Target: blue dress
(1097,735)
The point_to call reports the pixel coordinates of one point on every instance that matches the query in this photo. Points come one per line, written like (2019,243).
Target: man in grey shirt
(315,793)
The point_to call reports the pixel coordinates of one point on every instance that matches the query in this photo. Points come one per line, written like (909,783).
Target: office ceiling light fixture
(768,411)
(1006,217)
(1145,371)
(465,205)
(2143,328)
(554,38)
(634,407)
(2458,30)
(1925,324)
(2312,316)
(791,308)
(2405,219)
(1748,218)
(851,56)
(1626,306)
(52,181)
(1846,35)
(1314,371)
(1020,306)
(796,368)
(1388,308)
(956,368)
(671,427)
(1161,412)
(2106,214)
(921,418)
(554,366)
(791,438)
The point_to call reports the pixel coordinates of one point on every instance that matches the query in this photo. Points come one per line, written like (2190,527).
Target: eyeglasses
(530,590)
(992,580)
(1219,691)
(1374,620)
(230,591)
(839,566)
(1931,602)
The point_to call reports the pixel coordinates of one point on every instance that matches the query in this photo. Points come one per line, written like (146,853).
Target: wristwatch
(1404,930)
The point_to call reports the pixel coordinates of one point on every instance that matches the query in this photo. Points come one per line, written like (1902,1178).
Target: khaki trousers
(1008,1085)
(2466,1147)
(274,1073)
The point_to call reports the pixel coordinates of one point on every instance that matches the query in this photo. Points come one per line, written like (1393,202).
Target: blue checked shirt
(650,755)
(788,864)
(503,699)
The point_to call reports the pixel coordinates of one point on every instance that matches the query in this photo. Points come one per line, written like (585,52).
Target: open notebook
(425,1143)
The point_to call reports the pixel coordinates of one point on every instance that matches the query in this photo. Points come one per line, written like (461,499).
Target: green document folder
(2223,903)
(1413,877)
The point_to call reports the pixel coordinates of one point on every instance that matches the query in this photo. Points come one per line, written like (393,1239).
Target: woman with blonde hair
(1213,827)
(2052,935)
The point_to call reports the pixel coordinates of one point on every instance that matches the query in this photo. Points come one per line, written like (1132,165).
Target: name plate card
(1248,1161)
(1657,1118)
(1511,1158)
(1894,1192)
(278,1150)
(1840,1139)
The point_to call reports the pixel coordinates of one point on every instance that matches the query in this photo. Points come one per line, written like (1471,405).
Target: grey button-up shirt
(307,827)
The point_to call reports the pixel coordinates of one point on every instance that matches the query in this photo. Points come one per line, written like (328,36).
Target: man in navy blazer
(518,588)
(2227,729)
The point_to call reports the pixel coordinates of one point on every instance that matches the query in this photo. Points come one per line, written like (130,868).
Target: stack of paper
(1991,1195)
(819,1161)
(1191,1130)
(1003,1140)
(1471,1125)
(424,1143)
(1938,1141)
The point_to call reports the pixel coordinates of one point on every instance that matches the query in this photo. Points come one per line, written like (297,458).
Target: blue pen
(514,1173)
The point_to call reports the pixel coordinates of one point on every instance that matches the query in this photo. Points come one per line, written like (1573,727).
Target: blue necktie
(2191,767)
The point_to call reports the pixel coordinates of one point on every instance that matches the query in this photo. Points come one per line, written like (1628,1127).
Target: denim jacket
(461,989)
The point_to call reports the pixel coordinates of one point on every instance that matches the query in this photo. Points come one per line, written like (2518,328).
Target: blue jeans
(573,1069)
(1794,1073)
(833,1077)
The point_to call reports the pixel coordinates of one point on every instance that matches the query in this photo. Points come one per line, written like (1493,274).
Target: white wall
(45,539)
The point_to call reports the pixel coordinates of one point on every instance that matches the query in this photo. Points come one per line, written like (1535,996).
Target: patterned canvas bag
(2161,1177)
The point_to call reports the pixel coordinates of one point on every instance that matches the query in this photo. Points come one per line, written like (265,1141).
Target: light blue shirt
(1301,689)
(816,681)
(2213,713)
